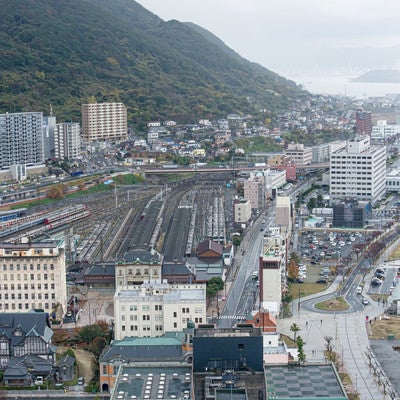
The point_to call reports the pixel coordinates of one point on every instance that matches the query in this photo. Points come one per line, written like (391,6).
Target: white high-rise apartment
(67,141)
(358,172)
(32,276)
(104,121)
(21,139)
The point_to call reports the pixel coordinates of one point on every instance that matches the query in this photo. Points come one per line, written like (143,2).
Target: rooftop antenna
(51,110)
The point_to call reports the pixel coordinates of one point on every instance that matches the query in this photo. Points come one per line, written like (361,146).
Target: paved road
(350,339)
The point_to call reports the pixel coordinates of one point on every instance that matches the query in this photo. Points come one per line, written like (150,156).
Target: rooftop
(304,382)
(154,383)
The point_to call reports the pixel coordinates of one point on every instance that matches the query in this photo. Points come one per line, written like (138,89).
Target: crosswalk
(237,316)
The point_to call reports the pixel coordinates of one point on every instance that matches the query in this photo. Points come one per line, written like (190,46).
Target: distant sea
(343,85)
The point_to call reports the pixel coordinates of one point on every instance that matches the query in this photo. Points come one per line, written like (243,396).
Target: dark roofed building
(165,351)
(178,272)
(98,275)
(209,249)
(65,369)
(24,334)
(218,349)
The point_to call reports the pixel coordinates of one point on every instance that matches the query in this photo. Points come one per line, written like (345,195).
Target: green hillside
(69,52)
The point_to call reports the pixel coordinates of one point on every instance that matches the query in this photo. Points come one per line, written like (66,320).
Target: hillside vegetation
(69,52)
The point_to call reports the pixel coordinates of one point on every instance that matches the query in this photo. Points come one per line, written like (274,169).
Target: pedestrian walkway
(348,333)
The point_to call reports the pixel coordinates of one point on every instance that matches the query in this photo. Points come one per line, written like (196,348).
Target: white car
(39,381)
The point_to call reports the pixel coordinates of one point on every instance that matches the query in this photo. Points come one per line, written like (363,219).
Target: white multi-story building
(156,307)
(104,121)
(272,271)
(358,172)
(382,131)
(32,276)
(241,211)
(393,181)
(21,139)
(274,179)
(67,141)
(299,154)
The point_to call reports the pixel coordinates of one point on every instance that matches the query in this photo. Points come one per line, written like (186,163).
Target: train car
(8,215)
(63,213)
(170,166)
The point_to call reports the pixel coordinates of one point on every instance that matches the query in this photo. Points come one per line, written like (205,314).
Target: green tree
(295,328)
(311,203)
(217,282)
(236,240)
(300,350)
(90,332)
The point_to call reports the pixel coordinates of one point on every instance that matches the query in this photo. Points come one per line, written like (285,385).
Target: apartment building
(358,172)
(363,122)
(104,121)
(67,141)
(21,139)
(156,307)
(32,276)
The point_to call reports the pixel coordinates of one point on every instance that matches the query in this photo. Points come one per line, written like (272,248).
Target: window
(175,315)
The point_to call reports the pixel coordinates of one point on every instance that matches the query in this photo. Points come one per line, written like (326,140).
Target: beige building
(241,211)
(272,271)
(104,121)
(299,154)
(138,266)
(283,214)
(156,307)
(254,190)
(32,276)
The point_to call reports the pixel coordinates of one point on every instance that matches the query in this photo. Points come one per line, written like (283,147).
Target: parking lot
(326,253)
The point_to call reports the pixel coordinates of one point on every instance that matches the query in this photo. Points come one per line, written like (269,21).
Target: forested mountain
(69,52)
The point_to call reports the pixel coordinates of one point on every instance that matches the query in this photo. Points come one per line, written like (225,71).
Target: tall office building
(21,139)
(104,121)
(67,141)
(358,172)
(363,122)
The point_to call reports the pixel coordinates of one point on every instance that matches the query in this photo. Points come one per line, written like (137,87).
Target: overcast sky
(280,34)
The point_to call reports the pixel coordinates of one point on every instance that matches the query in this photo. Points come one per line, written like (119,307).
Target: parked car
(81,380)
(322,280)
(39,381)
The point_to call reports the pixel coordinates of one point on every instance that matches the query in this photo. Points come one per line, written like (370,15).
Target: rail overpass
(208,169)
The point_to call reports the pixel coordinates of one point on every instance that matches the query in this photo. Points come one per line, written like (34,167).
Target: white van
(359,290)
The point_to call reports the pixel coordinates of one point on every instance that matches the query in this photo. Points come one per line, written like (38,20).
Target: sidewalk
(349,337)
